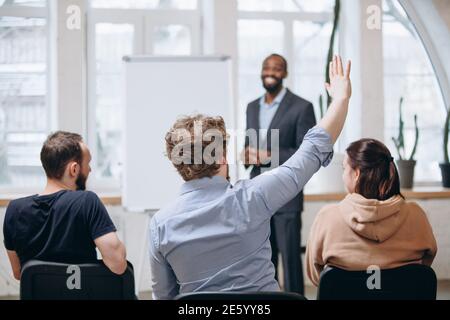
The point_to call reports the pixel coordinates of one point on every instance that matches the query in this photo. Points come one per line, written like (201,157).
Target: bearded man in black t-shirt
(64,223)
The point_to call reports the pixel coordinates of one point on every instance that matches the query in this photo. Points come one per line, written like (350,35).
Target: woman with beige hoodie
(373,225)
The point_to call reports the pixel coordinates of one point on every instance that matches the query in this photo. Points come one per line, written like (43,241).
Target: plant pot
(406,173)
(445,171)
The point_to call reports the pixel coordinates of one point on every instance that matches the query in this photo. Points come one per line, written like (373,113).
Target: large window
(157,27)
(24,110)
(311,42)
(299,30)
(408,73)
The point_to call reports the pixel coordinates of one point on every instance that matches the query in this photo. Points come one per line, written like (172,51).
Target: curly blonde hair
(193,133)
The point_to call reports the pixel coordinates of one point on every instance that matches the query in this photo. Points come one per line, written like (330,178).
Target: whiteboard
(158,90)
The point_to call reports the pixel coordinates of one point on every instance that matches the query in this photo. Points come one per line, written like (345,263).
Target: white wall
(364,47)
(69,63)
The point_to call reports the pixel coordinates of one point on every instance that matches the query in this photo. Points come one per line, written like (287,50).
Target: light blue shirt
(215,236)
(267,112)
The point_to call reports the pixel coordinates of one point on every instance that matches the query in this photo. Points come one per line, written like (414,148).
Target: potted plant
(405,165)
(445,166)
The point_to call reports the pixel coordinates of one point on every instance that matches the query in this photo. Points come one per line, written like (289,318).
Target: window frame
(438,72)
(430,48)
(36,13)
(287,18)
(143,20)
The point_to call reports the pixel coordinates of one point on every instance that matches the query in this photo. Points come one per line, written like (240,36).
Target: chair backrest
(235,296)
(410,282)
(58,281)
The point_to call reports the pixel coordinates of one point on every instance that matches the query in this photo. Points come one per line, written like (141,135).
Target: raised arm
(277,187)
(340,90)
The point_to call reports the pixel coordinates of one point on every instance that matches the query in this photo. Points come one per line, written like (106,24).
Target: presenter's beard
(271,88)
(81,182)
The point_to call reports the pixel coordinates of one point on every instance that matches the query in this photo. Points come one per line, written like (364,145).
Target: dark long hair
(378,177)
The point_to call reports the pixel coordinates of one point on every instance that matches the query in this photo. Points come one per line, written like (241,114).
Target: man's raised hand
(340,87)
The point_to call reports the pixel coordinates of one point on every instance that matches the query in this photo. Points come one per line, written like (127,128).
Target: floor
(442,294)
(311,292)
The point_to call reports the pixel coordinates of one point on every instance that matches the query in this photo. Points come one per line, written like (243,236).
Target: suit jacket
(294,117)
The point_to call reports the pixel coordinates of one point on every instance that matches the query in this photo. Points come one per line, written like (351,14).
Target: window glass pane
(145,4)
(408,73)
(112,43)
(172,40)
(30,3)
(23,105)
(257,40)
(311,42)
(286,5)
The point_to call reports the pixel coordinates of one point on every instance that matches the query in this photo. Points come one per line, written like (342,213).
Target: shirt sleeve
(98,219)
(277,187)
(165,285)
(9,228)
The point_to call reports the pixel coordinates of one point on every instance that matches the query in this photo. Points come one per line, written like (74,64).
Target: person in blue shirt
(216,236)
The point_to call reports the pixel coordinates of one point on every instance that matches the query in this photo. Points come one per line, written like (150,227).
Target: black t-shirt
(60,227)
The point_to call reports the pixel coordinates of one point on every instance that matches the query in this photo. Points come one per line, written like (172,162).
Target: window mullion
(23,12)
(289,49)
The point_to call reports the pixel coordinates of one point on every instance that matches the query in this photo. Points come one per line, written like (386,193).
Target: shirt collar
(278,98)
(203,183)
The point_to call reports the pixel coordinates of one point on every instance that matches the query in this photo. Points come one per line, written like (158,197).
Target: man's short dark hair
(276,55)
(59,149)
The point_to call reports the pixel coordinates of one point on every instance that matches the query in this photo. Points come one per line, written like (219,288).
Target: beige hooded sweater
(358,233)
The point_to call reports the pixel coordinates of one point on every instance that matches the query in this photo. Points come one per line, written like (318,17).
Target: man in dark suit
(293,116)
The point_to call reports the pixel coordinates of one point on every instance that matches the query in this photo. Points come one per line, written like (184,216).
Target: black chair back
(410,282)
(58,281)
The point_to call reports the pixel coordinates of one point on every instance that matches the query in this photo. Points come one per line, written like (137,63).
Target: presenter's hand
(264,157)
(340,87)
(254,157)
(250,157)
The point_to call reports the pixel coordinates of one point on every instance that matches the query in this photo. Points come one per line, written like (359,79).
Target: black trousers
(285,238)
